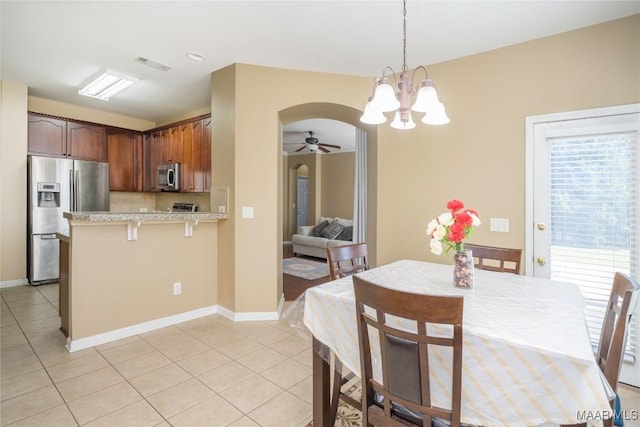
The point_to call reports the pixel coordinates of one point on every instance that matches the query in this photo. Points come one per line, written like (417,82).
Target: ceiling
(325,130)
(54,46)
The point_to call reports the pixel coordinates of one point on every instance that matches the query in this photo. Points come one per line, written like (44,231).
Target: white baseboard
(249,316)
(13,283)
(118,334)
(140,328)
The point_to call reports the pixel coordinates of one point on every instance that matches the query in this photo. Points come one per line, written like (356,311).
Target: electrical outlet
(500,225)
(221,209)
(177,288)
(247,212)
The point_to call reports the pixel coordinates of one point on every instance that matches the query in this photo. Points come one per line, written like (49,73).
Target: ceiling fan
(313,144)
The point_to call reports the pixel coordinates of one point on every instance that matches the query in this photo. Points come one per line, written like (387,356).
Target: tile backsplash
(132,202)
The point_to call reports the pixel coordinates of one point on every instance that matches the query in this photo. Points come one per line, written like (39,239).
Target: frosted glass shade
(438,116)
(427,98)
(397,122)
(371,115)
(384,98)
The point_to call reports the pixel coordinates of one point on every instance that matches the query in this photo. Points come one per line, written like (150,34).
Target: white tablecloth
(527,358)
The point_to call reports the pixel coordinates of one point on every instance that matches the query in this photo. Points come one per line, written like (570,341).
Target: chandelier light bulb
(438,116)
(371,115)
(427,98)
(384,98)
(399,123)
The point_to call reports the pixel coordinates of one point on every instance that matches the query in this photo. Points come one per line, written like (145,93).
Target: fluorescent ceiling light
(106,84)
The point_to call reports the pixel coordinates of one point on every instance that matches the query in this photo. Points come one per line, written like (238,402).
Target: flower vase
(463,269)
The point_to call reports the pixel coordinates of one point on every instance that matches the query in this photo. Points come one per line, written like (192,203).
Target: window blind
(594,218)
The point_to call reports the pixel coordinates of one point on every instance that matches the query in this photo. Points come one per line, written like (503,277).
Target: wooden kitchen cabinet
(187,143)
(192,136)
(206,153)
(63,287)
(47,136)
(86,141)
(125,160)
(51,136)
(150,147)
(171,146)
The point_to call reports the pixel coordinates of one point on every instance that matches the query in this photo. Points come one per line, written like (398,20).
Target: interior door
(583,208)
(302,201)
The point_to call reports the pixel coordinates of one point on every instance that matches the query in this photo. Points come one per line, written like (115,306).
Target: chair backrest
(405,391)
(622,301)
(346,260)
(499,259)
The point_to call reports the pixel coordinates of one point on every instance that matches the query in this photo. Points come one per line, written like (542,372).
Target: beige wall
(479,157)
(251,99)
(338,179)
(13,183)
(60,109)
(116,283)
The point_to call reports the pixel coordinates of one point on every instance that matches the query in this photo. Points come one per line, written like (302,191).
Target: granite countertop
(143,216)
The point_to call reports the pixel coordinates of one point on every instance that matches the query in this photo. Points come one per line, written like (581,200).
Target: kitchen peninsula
(128,273)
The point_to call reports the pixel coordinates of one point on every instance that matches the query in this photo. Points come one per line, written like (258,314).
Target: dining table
(527,356)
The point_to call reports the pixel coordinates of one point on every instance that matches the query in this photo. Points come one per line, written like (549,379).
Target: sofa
(313,240)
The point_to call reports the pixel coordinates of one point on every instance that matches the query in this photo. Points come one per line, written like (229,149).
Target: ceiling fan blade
(321,148)
(301,148)
(330,145)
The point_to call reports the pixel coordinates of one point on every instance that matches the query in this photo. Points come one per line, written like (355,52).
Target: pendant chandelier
(400,96)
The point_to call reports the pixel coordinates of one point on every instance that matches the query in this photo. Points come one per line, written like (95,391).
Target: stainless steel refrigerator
(56,186)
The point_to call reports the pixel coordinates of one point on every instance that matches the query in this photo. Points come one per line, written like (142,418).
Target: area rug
(305,268)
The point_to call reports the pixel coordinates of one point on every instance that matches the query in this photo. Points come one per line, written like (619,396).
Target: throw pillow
(332,230)
(318,228)
(347,234)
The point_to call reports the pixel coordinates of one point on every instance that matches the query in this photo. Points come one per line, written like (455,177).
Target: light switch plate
(500,225)
(247,212)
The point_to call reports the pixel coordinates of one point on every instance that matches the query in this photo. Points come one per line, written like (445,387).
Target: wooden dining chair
(622,301)
(613,336)
(404,395)
(496,259)
(344,261)
(347,260)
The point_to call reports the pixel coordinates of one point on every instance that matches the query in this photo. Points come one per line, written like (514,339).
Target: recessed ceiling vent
(151,63)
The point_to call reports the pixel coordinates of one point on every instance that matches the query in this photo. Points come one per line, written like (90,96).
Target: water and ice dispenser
(48,195)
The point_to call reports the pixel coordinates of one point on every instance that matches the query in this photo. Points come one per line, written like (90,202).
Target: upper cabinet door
(191,135)
(47,136)
(51,136)
(206,153)
(125,151)
(86,142)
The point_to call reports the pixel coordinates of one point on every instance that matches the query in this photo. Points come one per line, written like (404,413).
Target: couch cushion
(336,242)
(318,228)
(347,234)
(318,242)
(345,222)
(332,230)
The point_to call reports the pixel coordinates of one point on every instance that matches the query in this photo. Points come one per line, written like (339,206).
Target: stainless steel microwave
(169,177)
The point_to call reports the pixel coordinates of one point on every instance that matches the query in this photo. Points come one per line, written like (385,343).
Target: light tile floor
(206,372)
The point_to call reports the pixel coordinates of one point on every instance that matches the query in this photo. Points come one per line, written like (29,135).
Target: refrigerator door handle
(77,190)
(71,191)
